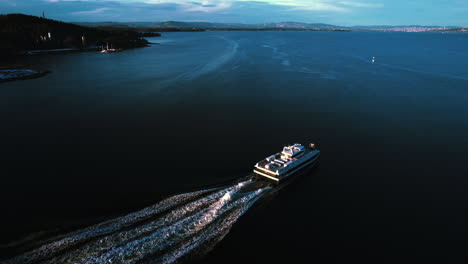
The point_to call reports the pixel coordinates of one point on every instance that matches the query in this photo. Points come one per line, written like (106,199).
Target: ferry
(292,160)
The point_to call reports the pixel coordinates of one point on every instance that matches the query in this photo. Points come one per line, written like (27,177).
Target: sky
(337,12)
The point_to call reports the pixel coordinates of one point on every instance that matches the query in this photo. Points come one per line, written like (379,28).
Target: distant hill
(20,32)
(297,25)
(184,26)
(212,26)
(410,28)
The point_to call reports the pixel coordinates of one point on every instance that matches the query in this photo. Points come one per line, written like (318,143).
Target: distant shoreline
(242,29)
(59,51)
(180,26)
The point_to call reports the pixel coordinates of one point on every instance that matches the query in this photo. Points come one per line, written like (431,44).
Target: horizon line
(307,23)
(240,23)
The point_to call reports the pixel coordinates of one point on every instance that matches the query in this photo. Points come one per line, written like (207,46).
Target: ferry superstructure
(292,160)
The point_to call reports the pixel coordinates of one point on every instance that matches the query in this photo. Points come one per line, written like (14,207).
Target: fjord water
(107,134)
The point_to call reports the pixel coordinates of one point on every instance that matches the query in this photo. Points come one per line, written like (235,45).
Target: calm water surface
(106,134)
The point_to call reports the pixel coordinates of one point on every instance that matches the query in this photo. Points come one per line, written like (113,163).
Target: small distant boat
(373,60)
(292,160)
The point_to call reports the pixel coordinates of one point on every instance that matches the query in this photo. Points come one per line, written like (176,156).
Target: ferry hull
(302,170)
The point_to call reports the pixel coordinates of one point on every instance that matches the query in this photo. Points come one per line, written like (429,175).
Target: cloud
(218,5)
(361,4)
(206,8)
(91,12)
(56,1)
(339,12)
(318,6)
(228,11)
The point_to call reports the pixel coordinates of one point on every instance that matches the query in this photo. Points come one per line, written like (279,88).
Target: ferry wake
(172,231)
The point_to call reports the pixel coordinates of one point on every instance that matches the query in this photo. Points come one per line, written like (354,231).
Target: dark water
(108,134)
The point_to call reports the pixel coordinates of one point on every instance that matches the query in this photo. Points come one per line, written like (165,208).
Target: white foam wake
(66,241)
(219,230)
(277,54)
(162,233)
(120,239)
(214,64)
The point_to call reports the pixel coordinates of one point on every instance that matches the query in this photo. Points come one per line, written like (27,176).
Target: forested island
(22,33)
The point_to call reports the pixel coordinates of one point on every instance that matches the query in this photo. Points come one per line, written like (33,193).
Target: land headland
(20,34)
